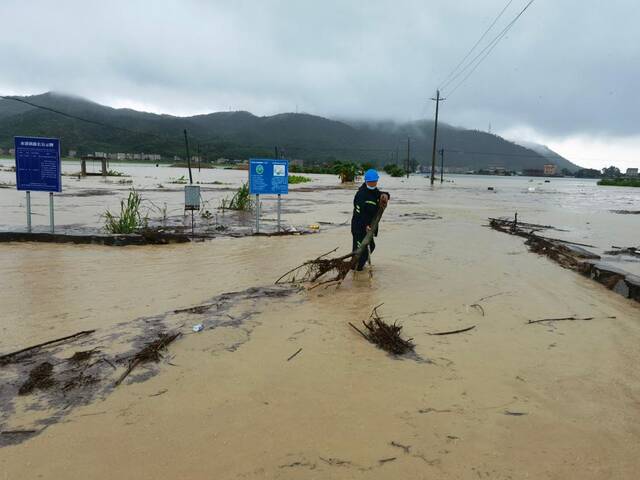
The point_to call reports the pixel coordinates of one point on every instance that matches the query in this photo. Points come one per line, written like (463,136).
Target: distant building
(296,163)
(497,170)
(2,152)
(532,172)
(632,172)
(550,169)
(72,153)
(12,151)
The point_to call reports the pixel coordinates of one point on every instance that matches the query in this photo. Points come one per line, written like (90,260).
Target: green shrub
(130,218)
(620,182)
(347,171)
(294,179)
(394,170)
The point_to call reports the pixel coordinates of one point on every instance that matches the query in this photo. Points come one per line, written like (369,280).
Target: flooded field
(506,400)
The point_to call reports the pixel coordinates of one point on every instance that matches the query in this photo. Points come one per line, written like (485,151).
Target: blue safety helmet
(371,175)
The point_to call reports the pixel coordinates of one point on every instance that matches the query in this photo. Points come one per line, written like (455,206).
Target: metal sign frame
(268,176)
(192,197)
(38,165)
(38,169)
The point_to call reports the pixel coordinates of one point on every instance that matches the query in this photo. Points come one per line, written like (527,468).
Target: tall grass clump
(130,218)
(241,200)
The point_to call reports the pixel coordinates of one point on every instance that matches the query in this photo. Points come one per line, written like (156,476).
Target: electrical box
(192,197)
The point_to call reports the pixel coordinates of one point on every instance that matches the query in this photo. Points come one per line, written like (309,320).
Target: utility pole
(441,165)
(276,151)
(186,144)
(435,136)
(408,155)
(199,159)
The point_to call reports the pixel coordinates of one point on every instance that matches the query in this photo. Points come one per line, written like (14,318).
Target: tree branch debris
(336,269)
(384,335)
(453,332)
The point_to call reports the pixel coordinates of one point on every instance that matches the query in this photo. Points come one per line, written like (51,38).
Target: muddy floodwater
(505,400)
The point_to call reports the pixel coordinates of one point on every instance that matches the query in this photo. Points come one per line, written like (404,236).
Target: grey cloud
(565,68)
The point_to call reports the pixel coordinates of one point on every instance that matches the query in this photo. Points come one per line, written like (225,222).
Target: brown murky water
(505,400)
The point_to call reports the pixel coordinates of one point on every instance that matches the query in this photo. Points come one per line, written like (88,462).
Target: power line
(484,53)
(86,120)
(475,45)
(160,137)
(283,146)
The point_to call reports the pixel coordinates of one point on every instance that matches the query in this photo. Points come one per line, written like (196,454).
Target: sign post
(38,169)
(279,199)
(28,211)
(51,211)
(268,177)
(258,213)
(192,201)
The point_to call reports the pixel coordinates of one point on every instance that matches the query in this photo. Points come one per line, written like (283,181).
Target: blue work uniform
(365,207)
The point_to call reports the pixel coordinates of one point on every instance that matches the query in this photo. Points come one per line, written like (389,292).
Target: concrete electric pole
(435,136)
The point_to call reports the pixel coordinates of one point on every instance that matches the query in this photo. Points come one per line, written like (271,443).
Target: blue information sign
(38,164)
(268,177)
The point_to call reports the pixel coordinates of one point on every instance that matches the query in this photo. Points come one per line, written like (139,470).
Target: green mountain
(88,127)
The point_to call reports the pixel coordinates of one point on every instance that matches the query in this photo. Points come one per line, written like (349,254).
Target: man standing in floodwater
(366,203)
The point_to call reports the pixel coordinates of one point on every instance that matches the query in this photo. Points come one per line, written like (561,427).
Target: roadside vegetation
(116,173)
(394,170)
(620,182)
(241,200)
(179,180)
(295,179)
(347,171)
(130,218)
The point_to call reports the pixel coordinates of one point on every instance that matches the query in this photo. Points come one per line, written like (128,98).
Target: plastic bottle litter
(198,328)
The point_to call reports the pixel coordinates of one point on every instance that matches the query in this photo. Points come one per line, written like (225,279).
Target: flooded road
(505,400)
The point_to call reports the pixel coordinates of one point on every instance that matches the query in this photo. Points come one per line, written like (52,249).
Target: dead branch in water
(563,319)
(491,296)
(479,307)
(406,448)
(292,356)
(552,248)
(530,226)
(384,335)
(632,251)
(7,358)
(453,332)
(338,268)
(150,353)
(40,377)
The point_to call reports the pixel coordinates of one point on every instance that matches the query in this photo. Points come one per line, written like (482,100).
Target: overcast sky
(566,74)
